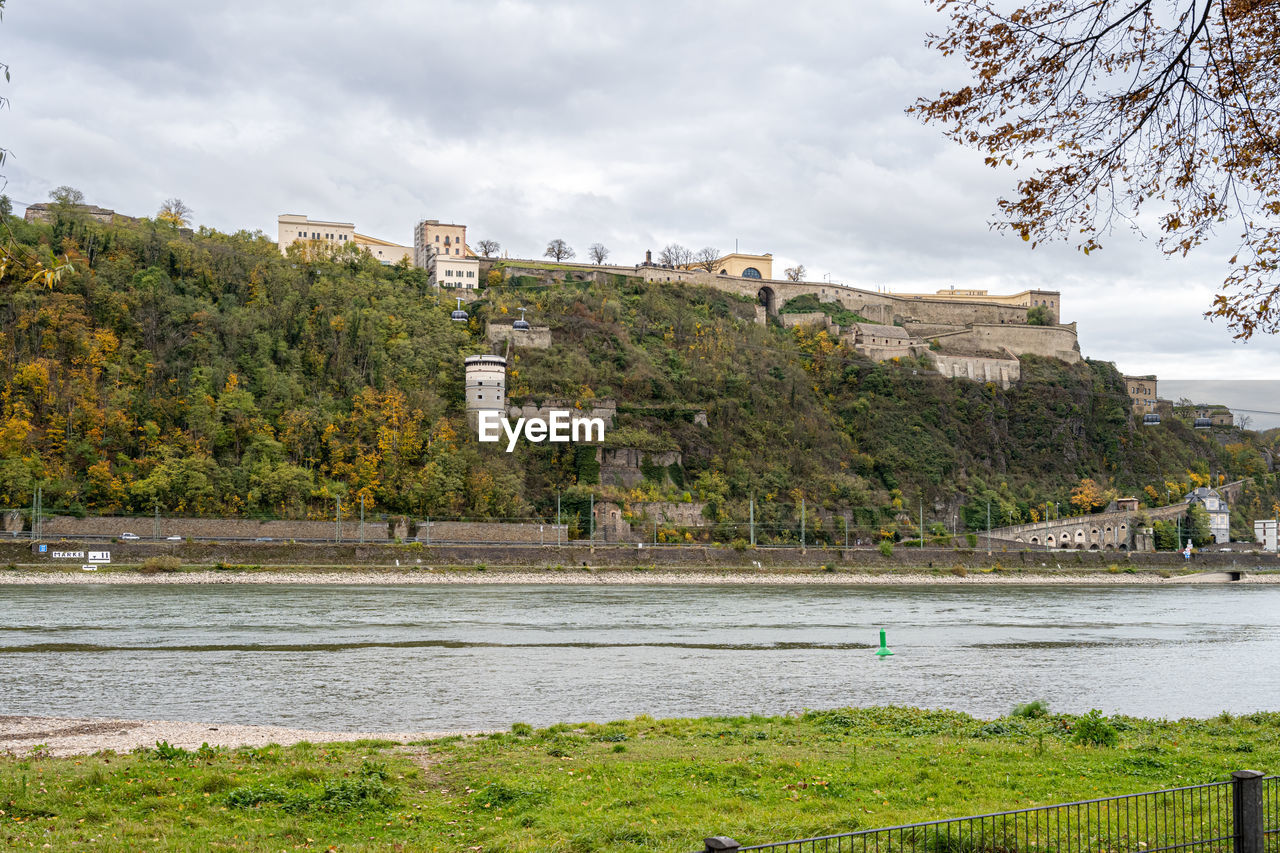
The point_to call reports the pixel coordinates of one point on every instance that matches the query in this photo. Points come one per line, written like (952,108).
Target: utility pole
(338,519)
(752,524)
(428,530)
(361,519)
(846,531)
(155,525)
(557,519)
(802,524)
(922,524)
(988,527)
(35,490)
(591,521)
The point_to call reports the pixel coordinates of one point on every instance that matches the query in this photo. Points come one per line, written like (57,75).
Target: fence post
(1246,810)
(720,844)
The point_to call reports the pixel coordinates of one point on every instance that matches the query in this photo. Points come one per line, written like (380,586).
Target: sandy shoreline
(61,736)
(625,577)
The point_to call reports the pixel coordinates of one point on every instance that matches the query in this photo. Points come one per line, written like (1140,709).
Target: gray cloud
(629,124)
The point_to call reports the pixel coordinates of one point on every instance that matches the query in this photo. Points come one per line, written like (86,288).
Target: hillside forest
(150,368)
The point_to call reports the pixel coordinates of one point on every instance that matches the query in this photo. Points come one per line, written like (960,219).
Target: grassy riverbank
(642,784)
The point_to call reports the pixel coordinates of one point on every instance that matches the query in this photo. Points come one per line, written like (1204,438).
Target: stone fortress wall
(373,529)
(975,335)
(535,337)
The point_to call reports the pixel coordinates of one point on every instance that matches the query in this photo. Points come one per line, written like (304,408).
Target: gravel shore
(74,736)
(625,577)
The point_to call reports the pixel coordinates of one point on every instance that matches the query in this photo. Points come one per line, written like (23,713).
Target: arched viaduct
(1102,531)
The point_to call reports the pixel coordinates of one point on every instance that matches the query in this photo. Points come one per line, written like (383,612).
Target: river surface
(417,658)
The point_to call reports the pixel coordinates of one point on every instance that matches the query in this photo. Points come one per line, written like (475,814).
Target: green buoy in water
(883,651)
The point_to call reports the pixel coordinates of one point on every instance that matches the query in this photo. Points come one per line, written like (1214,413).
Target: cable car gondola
(1151,420)
(458,315)
(521,325)
(1204,423)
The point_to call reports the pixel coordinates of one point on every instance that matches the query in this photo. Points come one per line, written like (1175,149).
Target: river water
(473,657)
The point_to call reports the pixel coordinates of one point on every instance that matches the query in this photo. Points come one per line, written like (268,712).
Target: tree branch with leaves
(1162,115)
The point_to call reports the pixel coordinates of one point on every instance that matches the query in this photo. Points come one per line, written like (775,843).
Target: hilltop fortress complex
(966,334)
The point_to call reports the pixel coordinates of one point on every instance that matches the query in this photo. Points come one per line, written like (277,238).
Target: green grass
(642,784)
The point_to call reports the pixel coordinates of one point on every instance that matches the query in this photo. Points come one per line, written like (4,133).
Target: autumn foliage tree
(1160,114)
(1089,497)
(174,212)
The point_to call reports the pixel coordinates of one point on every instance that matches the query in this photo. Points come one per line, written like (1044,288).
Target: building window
(437,238)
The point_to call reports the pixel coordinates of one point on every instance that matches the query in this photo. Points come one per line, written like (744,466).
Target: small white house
(1266,531)
(1219,512)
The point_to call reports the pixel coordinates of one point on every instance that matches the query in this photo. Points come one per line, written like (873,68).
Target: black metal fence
(1240,816)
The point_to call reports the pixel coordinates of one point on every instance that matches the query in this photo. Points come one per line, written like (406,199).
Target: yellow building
(736,264)
(1142,391)
(746,266)
(294,228)
(433,238)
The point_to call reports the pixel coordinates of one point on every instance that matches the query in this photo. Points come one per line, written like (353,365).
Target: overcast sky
(774,128)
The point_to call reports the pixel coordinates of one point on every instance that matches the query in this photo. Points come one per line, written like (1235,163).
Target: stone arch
(1064,542)
(1124,547)
(768,299)
(1079,534)
(1035,540)
(1048,540)
(1093,547)
(723,272)
(1110,547)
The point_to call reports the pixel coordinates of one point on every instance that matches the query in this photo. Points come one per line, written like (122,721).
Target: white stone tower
(486,385)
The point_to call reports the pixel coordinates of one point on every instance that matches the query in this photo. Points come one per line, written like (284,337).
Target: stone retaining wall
(374,530)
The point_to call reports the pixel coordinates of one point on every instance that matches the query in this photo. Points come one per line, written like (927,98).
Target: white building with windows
(460,273)
(1267,532)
